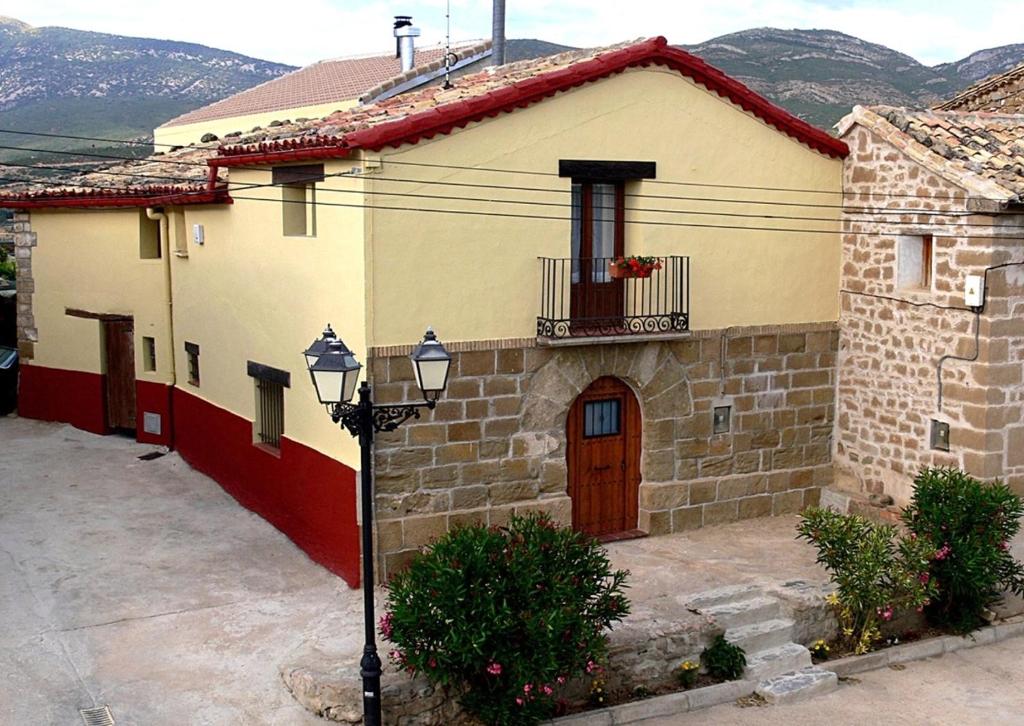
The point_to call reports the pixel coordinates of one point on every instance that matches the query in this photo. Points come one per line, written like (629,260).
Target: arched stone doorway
(603,444)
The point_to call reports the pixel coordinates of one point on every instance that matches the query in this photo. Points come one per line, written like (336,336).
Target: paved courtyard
(143,586)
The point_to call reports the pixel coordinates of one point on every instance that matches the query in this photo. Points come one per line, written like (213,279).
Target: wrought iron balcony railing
(586,297)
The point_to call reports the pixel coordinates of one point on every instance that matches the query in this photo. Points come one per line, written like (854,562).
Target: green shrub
(724,660)
(505,616)
(6,266)
(876,572)
(970,524)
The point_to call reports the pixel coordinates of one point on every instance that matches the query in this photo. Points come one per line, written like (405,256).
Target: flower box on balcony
(633,266)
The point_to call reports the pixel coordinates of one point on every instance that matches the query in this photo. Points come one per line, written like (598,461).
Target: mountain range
(62,81)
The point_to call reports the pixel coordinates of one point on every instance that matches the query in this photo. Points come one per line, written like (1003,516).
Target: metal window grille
(269,412)
(193,368)
(601,418)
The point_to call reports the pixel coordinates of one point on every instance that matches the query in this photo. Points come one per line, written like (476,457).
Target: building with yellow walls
(503,211)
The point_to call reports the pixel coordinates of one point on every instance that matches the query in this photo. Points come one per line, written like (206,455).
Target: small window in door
(601,418)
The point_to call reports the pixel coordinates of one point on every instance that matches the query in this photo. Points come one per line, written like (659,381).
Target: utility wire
(392,160)
(232,186)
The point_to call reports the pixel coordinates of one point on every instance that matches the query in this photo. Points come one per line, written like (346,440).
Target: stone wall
(24,241)
(892,340)
(496,442)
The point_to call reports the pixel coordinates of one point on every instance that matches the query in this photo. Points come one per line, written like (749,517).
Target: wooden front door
(597,239)
(119,342)
(603,435)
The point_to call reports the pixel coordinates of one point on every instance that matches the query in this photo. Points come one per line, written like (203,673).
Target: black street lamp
(335,370)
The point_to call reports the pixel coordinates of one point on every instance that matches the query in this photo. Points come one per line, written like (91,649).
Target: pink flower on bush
(591,666)
(494,668)
(386,626)
(561,680)
(1004,545)
(432,663)
(885,613)
(924,577)
(527,688)
(943,552)
(519,701)
(548,690)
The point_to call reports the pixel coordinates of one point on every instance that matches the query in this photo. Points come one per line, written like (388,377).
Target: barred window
(192,354)
(268,426)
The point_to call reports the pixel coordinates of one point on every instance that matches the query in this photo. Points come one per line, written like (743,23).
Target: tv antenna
(448,55)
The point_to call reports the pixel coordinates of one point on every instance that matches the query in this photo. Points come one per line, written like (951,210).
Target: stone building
(1002,93)
(694,388)
(931,197)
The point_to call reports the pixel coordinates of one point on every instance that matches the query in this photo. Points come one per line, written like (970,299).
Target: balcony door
(596,298)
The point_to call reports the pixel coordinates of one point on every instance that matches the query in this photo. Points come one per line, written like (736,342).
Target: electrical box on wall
(198,234)
(974,291)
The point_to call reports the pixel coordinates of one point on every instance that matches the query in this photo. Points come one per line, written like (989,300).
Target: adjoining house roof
(436,110)
(180,177)
(981,152)
(336,80)
(1002,93)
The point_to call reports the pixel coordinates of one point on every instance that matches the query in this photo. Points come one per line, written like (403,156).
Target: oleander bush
(504,617)
(970,525)
(876,571)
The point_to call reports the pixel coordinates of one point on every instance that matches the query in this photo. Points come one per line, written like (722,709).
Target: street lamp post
(335,371)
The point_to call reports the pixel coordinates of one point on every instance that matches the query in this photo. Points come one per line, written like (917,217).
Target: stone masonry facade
(892,340)
(496,443)
(24,242)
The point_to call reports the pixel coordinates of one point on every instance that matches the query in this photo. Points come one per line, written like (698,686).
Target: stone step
(873,507)
(797,686)
(744,612)
(776,661)
(764,635)
(722,595)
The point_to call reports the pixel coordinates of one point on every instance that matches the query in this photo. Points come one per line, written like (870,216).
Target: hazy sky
(933,31)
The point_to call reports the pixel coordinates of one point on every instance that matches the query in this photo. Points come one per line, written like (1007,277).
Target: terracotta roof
(434,110)
(179,177)
(337,80)
(981,152)
(1002,93)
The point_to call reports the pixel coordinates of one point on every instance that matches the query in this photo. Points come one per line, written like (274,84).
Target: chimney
(498,33)
(405,43)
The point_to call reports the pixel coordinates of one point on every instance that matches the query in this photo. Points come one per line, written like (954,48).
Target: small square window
(192,356)
(148,354)
(940,436)
(722,419)
(914,262)
(601,418)
(269,424)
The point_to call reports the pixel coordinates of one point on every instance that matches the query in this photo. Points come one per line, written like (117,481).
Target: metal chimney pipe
(498,33)
(405,41)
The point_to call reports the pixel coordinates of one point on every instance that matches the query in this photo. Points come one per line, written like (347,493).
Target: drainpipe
(158,215)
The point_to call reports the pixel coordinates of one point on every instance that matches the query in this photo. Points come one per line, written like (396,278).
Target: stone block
(389,535)
(792,343)
(478,409)
(720,512)
(685,519)
(397,561)
(512,491)
(509,361)
(464,431)
(457,453)
(463,388)
(655,523)
(744,486)
(476,363)
(758,506)
(493,449)
(500,428)
(721,693)
(664,496)
(467,519)
(500,386)
(426,434)
(787,502)
(469,497)
(436,477)
(798,686)
(408,458)
(702,492)
(480,472)
(505,406)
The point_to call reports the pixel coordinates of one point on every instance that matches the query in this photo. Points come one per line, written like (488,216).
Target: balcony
(581,298)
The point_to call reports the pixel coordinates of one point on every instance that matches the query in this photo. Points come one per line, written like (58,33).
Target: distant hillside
(527,48)
(59,80)
(820,74)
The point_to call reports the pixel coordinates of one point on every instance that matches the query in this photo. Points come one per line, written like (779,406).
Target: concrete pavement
(142,585)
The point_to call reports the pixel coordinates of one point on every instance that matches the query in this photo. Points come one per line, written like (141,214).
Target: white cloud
(301,32)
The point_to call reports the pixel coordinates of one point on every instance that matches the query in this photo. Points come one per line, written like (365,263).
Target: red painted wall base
(53,394)
(310,497)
